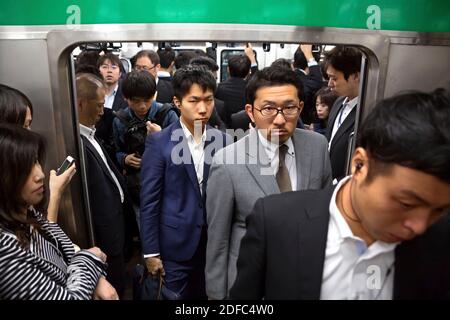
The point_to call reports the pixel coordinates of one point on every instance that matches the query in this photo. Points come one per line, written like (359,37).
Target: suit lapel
(348,122)
(259,165)
(312,238)
(98,158)
(303,159)
(332,117)
(189,165)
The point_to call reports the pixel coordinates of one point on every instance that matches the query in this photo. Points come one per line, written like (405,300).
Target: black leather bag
(149,287)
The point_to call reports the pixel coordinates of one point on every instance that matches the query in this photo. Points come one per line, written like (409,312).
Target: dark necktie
(283,180)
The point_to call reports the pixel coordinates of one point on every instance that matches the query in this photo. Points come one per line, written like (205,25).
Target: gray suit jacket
(239,175)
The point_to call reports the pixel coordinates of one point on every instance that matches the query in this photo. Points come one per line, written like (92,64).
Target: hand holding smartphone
(65,165)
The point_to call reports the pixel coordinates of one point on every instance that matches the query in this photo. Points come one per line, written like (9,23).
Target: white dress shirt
(197,152)
(272,151)
(109,99)
(89,133)
(351,269)
(342,115)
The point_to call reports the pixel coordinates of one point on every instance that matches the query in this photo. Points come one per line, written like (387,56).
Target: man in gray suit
(274,157)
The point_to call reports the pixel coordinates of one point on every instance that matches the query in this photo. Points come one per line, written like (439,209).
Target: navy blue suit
(173,216)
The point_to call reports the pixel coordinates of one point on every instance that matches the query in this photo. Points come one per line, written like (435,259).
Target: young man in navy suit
(175,168)
(381,233)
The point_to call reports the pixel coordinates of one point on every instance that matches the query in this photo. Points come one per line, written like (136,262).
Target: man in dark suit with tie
(175,168)
(381,233)
(106,186)
(343,67)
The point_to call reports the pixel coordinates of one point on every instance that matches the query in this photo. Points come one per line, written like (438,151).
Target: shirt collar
(272,148)
(343,228)
(189,135)
(352,103)
(163,74)
(87,131)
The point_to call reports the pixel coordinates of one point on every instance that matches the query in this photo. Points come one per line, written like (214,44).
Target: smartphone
(65,165)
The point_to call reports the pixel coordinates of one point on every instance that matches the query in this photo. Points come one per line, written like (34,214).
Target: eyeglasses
(137,67)
(289,111)
(109,66)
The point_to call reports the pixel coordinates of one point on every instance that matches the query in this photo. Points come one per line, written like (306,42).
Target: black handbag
(149,287)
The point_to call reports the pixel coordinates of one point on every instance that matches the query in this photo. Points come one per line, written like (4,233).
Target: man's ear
(176,102)
(301,104)
(249,110)
(360,163)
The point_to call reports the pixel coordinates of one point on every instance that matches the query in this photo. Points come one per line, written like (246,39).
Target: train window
(224,56)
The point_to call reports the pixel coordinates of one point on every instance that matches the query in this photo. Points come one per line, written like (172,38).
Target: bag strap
(162,112)
(123,116)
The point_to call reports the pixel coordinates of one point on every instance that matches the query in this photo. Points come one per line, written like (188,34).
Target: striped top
(49,269)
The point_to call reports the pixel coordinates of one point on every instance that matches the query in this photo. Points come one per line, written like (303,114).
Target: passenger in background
(275,157)
(86,62)
(343,67)
(106,186)
(167,61)
(284,63)
(306,67)
(109,67)
(325,99)
(232,90)
(215,120)
(37,259)
(382,233)
(16,108)
(131,126)
(148,60)
(183,58)
(175,169)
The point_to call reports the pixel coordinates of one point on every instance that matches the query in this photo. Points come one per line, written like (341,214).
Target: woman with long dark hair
(16,108)
(37,259)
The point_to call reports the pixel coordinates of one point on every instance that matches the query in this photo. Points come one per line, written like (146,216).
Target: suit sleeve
(327,177)
(119,142)
(316,78)
(23,280)
(170,118)
(152,187)
(220,210)
(251,267)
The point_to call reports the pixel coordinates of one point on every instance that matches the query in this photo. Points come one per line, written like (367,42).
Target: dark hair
(189,75)
(13,105)
(344,59)
(87,68)
(282,62)
(327,96)
(152,55)
(20,149)
(300,61)
(273,76)
(138,84)
(111,57)
(411,130)
(209,63)
(89,57)
(239,66)
(166,56)
(182,59)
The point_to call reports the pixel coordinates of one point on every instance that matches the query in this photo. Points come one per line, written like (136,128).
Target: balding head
(87,85)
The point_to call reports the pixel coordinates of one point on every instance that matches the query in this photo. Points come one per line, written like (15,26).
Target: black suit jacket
(232,93)
(311,83)
(283,252)
(165,92)
(215,120)
(340,143)
(104,200)
(104,127)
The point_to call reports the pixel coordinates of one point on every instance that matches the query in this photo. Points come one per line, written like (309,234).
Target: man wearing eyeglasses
(274,157)
(109,68)
(148,60)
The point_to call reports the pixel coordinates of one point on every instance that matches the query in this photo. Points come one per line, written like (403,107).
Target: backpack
(136,129)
